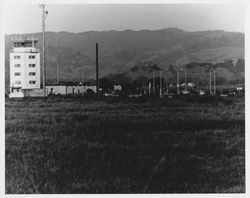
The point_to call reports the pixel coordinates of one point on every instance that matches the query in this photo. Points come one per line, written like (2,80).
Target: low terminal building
(70,88)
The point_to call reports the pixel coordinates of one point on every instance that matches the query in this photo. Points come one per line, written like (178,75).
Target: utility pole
(165,85)
(185,79)
(153,81)
(210,82)
(160,85)
(214,83)
(177,82)
(97,71)
(82,83)
(57,74)
(44,15)
(149,88)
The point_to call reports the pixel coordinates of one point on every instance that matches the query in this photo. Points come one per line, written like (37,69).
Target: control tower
(24,68)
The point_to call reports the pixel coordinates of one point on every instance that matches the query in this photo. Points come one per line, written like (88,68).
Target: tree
(135,68)
(240,65)
(228,63)
(221,81)
(154,66)
(106,84)
(141,81)
(121,78)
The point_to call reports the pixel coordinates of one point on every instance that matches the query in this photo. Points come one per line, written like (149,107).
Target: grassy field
(143,145)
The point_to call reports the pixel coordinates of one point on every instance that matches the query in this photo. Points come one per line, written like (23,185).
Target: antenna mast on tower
(44,15)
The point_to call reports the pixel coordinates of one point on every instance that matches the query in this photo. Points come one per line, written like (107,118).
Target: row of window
(30,73)
(30,82)
(30,57)
(19,65)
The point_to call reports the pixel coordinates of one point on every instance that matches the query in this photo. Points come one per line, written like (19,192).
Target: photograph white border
(3,4)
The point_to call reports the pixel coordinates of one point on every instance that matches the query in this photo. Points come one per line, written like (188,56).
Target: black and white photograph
(124,98)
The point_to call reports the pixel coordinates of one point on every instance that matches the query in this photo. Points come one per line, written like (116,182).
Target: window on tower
(17,82)
(32,65)
(32,82)
(17,57)
(32,73)
(32,57)
(17,73)
(17,65)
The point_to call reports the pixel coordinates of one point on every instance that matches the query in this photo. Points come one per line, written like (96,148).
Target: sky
(103,17)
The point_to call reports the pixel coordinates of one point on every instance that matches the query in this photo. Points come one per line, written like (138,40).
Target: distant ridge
(122,50)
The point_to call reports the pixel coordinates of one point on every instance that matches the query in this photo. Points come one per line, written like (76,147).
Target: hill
(119,51)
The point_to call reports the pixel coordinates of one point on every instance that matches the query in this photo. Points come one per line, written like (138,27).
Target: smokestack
(97,71)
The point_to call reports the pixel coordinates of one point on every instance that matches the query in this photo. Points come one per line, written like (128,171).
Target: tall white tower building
(24,68)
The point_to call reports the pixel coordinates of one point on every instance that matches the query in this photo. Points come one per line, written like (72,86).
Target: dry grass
(118,146)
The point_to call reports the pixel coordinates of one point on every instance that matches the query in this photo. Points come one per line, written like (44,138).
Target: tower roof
(24,41)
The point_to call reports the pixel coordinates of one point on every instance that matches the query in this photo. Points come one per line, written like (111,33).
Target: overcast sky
(102,17)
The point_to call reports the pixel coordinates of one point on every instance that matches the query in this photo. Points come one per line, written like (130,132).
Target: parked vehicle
(185,92)
(202,93)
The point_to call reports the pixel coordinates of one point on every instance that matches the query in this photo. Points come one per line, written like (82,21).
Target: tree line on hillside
(229,64)
(237,69)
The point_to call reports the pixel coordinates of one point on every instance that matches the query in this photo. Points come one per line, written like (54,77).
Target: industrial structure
(25,68)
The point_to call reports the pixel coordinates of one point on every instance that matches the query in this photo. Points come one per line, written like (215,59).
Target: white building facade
(69,89)
(24,68)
